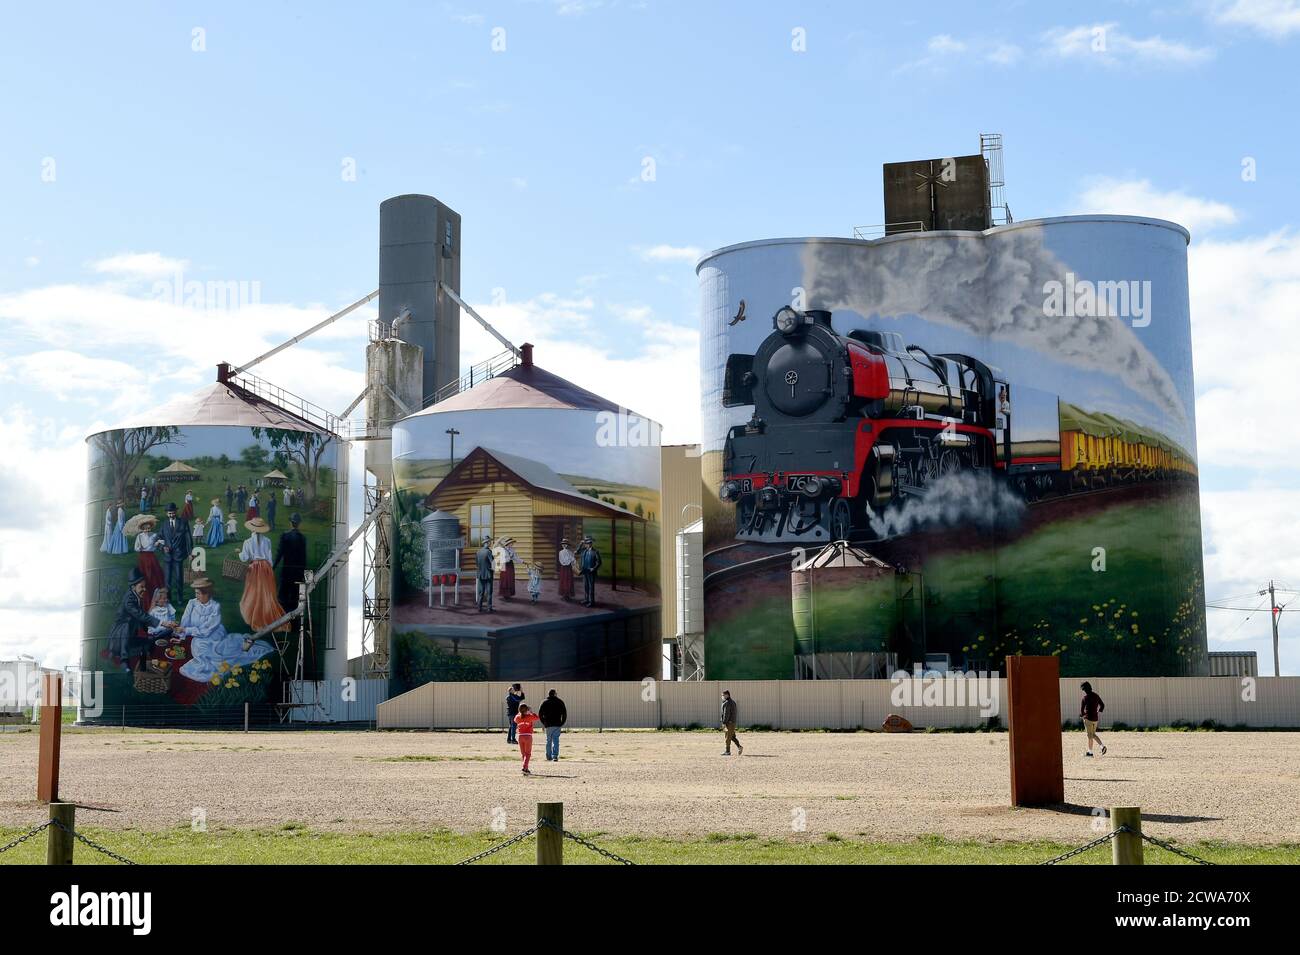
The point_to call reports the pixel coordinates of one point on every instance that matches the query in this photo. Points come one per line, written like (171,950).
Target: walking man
(484,565)
(729,712)
(1090,708)
(514,696)
(553,716)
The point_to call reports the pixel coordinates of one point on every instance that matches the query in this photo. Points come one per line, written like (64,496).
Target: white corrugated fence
(843,704)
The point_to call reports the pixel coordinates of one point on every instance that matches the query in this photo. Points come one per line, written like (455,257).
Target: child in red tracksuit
(524,721)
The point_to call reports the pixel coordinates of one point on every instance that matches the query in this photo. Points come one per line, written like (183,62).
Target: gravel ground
(1237,786)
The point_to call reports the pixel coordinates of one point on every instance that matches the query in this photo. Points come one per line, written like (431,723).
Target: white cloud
(943,50)
(1273,18)
(656,373)
(141,265)
(1246,342)
(672,253)
(42,513)
(944,44)
(1105,43)
(1138,197)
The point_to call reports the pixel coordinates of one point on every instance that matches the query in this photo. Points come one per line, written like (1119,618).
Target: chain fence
(1141,835)
(547,824)
(72,832)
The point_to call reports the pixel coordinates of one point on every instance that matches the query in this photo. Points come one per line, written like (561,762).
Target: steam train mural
(846,427)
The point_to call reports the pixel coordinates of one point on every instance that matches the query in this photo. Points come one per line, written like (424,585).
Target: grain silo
(1007,412)
(558,490)
(202,519)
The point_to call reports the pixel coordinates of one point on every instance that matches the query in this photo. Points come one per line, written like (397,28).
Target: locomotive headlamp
(787,320)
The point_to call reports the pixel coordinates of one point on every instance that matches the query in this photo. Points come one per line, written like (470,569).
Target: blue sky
(127,153)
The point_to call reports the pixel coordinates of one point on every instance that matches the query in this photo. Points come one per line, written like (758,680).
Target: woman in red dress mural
(259,605)
(146,551)
(566,561)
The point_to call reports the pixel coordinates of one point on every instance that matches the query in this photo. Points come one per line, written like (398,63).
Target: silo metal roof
(524,386)
(219,404)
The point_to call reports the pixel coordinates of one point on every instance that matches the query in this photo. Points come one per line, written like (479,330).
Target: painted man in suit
(588,564)
(484,570)
(293,553)
(177,544)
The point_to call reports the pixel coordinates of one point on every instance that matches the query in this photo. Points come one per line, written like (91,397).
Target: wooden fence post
(47,759)
(550,840)
(1126,847)
(58,846)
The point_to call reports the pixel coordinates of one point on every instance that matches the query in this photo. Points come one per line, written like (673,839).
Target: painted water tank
(201,519)
(1007,415)
(556,491)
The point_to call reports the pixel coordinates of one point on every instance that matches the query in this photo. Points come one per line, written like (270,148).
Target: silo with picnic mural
(204,519)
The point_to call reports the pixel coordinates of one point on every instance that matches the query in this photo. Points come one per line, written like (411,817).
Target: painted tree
(124,450)
(304,448)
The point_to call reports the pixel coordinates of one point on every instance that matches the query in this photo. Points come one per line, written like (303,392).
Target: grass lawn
(296,844)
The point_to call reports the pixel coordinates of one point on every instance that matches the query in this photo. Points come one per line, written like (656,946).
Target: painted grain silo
(554,496)
(202,518)
(1004,415)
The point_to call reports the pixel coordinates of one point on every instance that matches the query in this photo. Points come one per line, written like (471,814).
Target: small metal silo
(442,546)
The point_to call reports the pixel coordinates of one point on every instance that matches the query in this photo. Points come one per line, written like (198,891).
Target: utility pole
(1273,612)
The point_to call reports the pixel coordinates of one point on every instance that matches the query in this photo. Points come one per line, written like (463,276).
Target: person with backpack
(1090,708)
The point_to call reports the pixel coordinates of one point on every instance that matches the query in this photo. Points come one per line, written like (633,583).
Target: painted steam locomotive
(846,426)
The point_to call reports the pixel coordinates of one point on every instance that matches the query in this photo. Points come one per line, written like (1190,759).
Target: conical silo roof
(219,404)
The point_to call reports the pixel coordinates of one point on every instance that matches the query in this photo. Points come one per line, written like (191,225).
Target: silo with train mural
(1004,417)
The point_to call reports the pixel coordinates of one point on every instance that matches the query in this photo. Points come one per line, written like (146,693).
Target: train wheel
(841,521)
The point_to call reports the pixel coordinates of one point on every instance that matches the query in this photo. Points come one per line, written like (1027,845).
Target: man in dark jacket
(125,640)
(729,714)
(553,716)
(588,564)
(1090,708)
(483,570)
(177,544)
(514,696)
(292,553)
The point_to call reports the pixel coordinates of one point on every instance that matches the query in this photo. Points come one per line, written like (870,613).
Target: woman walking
(524,721)
(108,531)
(259,605)
(216,525)
(117,542)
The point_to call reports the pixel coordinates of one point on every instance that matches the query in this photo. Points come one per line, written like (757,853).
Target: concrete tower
(419,247)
